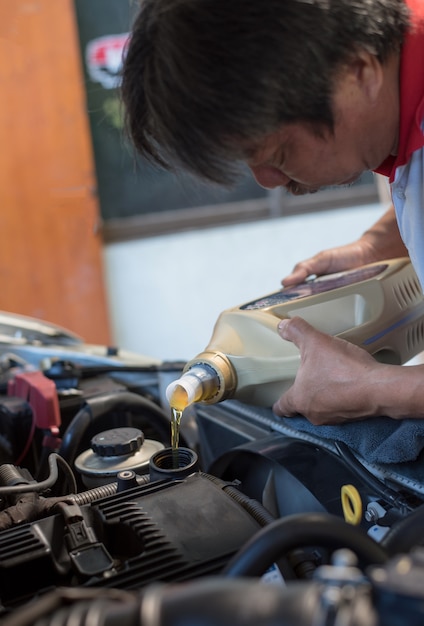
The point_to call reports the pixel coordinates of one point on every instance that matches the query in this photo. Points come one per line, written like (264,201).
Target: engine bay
(252,522)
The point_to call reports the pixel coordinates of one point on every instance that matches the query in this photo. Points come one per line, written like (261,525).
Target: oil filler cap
(117,441)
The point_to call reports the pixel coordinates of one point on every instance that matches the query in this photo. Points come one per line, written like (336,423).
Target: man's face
(301,160)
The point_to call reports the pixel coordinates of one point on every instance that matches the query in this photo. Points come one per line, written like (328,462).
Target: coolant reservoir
(113,451)
(379,307)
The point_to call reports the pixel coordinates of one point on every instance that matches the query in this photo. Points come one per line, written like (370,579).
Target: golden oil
(178,402)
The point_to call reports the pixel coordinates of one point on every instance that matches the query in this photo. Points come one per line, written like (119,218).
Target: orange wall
(50,249)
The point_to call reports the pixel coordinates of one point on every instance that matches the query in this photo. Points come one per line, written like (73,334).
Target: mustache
(297,189)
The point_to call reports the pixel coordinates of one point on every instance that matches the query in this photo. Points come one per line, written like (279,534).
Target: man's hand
(330,261)
(382,241)
(335,381)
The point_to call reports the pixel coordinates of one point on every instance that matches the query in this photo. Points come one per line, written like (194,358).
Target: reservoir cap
(117,441)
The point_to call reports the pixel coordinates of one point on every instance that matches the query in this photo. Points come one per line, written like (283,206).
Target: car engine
(247,522)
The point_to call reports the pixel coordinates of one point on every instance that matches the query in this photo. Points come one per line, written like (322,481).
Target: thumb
(296,330)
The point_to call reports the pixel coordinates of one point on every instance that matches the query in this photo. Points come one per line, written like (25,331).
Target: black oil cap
(117,441)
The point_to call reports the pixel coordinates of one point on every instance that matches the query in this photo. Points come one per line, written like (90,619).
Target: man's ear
(367,71)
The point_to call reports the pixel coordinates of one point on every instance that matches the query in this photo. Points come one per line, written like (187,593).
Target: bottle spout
(183,392)
(197,384)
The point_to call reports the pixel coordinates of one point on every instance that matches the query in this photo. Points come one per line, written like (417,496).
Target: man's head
(205,81)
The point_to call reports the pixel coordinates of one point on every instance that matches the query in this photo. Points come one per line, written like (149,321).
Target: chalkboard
(127,186)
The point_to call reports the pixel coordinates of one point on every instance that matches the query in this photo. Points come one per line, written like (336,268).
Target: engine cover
(170,530)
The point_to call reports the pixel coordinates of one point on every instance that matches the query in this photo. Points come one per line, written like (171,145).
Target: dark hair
(203,77)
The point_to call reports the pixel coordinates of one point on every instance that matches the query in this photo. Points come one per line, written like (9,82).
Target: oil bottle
(379,307)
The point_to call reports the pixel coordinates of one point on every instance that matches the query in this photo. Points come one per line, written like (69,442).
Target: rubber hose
(67,605)
(99,407)
(387,494)
(299,530)
(221,602)
(405,534)
(74,433)
(202,602)
(86,497)
(255,508)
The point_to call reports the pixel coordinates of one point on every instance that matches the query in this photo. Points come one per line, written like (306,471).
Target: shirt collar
(411,87)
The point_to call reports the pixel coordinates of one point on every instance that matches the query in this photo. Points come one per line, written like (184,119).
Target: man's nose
(269,176)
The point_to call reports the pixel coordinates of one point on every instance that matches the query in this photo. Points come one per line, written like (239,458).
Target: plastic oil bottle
(379,307)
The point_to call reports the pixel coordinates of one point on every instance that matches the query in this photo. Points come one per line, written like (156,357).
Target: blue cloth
(378,439)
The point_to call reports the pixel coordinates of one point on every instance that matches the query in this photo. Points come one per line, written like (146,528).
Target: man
(307,93)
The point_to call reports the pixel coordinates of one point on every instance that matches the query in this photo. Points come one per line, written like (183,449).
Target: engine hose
(66,605)
(390,496)
(99,407)
(405,534)
(86,497)
(300,530)
(259,513)
(31,507)
(208,602)
(74,433)
(17,484)
(255,508)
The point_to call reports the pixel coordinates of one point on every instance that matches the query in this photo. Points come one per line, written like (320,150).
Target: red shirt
(411,136)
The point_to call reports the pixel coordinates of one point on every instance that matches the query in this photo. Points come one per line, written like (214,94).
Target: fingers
(330,261)
(283,407)
(299,274)
(295,330)
(318,264)
(334,381)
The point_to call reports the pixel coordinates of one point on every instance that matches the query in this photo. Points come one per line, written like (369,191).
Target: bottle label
(315,286)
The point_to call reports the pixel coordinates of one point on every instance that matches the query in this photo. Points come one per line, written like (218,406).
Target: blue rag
(378,439)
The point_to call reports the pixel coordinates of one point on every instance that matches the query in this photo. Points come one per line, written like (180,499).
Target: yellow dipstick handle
(351,504)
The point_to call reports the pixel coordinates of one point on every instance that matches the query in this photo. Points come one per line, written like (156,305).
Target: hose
(406,534)
(299,530)
(30,509)
(204,602)
(64,606)
(259,513)
(99,407)
(390,496)
(85,497)
(8,473)
(253,507)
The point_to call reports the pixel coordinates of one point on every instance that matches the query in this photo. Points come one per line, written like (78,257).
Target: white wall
(165,293)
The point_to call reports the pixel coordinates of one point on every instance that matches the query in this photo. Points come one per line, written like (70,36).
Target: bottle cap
(183,392)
